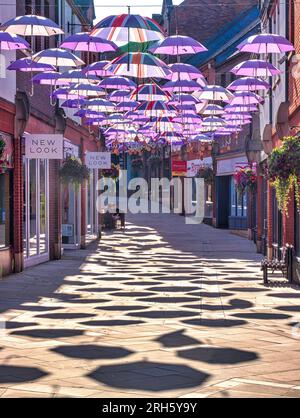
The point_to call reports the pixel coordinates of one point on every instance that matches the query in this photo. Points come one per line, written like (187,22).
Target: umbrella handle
(52,103)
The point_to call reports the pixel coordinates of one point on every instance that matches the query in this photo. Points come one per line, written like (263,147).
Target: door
(223,201)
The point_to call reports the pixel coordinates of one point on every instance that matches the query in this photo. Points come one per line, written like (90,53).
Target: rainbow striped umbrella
(127,28)
(139,65)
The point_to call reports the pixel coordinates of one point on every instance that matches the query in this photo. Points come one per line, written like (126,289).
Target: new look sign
(98,160)
(48,147)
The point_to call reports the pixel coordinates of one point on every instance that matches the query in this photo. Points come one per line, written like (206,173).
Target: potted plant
(73,171)
(283,171)
(207,174)
(245,179)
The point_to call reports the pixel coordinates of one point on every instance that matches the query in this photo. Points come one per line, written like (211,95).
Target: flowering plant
(112,173)
(207,174)
(73,171)
(137,163)
(3,162)
(283,171)
(245,180)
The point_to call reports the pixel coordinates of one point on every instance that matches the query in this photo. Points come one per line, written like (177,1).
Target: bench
(282,261)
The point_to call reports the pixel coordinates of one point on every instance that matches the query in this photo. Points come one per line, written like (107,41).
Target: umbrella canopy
(117,83)
(248,84)
(240,108)
(64,94)
(188,119)
(139,65)
(255,68)
(97,69)
(87,90)
(213,121)
(187,99)
(237,116)
(12,42)
(202,138)
(245,98)
(125,106)
(177,45)
(150,92)
(184,72)
(128,28)
(73,103)
(156,108)
(58,58)
(213,110)
(87,113)
(182,86)
(100,105)
(214,93)
(50,78)
(266,43)
(31,25)
(84,41)
(27,65)
(76,77)
(119,96)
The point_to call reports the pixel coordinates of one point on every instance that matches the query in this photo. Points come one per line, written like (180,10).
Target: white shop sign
(44,146)
(98,160)
(228,167)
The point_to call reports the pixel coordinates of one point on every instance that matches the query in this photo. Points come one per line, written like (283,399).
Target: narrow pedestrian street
(165,310)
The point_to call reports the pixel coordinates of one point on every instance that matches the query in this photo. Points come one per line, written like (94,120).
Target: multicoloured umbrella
(31,25)
(248,84)
(27,65)
(57,57)
(97,69)
(12,42)
(117,83)
(84,41)
(266,43)
(139,65)
(127,28)
(255,68)
(184,72)
(177,45)
(150,92)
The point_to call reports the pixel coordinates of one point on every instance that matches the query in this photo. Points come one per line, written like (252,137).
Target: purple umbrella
(240,108)
(119,96)
(177,45)
(73,103)
(214,93)
(86,90)
(237,116)
(27,65)
(184,72)
(245,98)
(11,42)
(97,69)
(186,107)
(58,58)
(31,25)
(49,78)
(255,68)
(100,105)
(213,110)
(125,106)
(183,86)
(64,94)
(117,83)
(86,113)
(248,84)
(76,77)
(188,119)
(266,43)
(86,42)
(187,99)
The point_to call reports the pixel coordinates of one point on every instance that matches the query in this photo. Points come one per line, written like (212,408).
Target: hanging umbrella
(182,86)
(187,99)
(246,98)
(73,103)
(58,58)
(255,68)
(237,116)
(76,77)
(86,42)
(239,122)
(213,110)
(202,138)
(189,108)
(31,25)
(87,113)
(139,65)
(97,69)
(50,78)
(100,105)
(184,72)
(117,83)
(177,45)
(213,121)
(156,108)
(127,28)
(248,84)
(64,94)
(87,90)
(240,108)
(119,96)
(27,65)
(125,106)
(150,92)
(214,93)
(12,42)
(266,43)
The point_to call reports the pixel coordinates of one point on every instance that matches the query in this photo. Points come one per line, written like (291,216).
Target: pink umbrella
(12,42)
(87,42)
(255,68)
(266,43)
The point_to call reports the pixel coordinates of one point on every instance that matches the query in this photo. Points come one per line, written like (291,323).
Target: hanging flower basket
(207,174)
(245,180)
(73,171)
(137,164)
(283,171)
(3,162)
(112,173)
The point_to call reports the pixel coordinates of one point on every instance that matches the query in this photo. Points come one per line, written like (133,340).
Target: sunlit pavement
(162,310)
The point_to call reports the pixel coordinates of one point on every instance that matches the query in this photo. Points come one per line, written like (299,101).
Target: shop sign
(194,166)
(179,168)
(227,167)
(44,146)
(98,160)
(67,230)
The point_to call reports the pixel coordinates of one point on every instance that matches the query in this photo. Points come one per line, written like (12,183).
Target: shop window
(4,210)
(239,204)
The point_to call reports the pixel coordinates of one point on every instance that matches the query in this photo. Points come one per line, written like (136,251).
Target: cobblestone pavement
(162,310)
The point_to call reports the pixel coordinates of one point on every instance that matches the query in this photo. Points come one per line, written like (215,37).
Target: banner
(179,168)
(98,160)
(46,147)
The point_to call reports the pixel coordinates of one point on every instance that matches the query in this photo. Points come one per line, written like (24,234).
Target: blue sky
(138,7)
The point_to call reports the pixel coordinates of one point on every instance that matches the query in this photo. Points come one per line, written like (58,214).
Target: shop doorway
(223,201)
